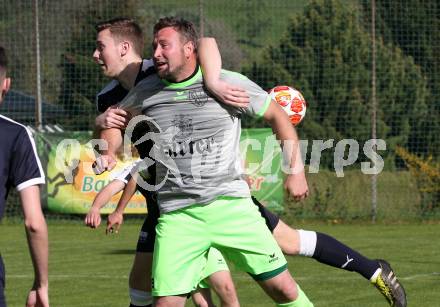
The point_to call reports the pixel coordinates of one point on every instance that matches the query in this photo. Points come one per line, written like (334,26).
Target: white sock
(140,298)
(307,242)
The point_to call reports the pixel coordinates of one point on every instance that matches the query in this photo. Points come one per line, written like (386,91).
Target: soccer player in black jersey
(21,169)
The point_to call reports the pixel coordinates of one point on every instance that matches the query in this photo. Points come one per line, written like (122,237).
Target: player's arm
(26,174)
(211,63)
(111,123)
(115,220)
(296,183)
(113,117)
(113,136)
(36,232)
(107,160)
(93,217)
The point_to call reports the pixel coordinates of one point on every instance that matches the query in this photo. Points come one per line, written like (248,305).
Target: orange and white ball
(292,101)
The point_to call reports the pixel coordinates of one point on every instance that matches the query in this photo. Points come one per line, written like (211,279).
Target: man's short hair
(3,62)
(183,26)
(124,28)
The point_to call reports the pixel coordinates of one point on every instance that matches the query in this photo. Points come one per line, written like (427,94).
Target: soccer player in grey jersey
(119,45)
(320,246)
(204,199)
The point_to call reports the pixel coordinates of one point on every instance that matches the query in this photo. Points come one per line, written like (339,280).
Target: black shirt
(19,163)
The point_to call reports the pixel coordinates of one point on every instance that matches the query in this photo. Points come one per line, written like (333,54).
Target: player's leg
(170,301)
(222,284)
(2,283)
(330,251)
(202,298)
(285,291)
(140,275)
(217,276)
(180,253)
(140,280)
(324,249)
(241,235)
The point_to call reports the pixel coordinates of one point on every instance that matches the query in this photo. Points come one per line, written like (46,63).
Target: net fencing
(354,84)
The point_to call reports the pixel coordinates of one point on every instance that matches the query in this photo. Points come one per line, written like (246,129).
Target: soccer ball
(291,101)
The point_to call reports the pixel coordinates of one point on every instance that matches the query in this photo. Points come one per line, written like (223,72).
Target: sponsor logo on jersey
(184,127)
(199,97)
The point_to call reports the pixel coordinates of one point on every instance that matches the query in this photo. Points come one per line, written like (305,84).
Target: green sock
(301,301)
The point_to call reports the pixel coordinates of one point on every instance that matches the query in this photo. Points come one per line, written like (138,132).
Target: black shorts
(2,283)
(147,235)
(270,218)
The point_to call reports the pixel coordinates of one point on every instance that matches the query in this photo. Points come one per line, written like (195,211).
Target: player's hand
(231,95)
(93,218)
(297,187)
(114,222)
(38,297)
(103,163)
(113,117)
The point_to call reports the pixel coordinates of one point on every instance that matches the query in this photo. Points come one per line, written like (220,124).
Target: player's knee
(140,298)
(290,249)
(226,292)
(285,292)
(287,238)
(282,288)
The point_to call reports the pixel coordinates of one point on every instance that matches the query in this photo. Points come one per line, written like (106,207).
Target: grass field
(88,268)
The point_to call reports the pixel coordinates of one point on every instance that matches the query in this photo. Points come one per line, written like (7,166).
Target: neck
(185,72)
(128,75)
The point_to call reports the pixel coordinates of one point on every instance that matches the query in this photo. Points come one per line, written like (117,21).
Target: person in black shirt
(21,169)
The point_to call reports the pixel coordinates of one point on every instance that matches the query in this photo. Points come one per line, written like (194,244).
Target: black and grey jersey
(114,92)
(19,163)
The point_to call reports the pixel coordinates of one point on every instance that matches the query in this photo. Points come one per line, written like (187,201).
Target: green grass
(348,198)
(88,268)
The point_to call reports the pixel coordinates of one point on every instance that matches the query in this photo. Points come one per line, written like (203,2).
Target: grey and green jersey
(197,149)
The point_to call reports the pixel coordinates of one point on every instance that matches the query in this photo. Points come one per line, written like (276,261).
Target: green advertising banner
(72,186)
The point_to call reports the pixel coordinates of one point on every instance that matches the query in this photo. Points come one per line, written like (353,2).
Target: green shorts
(234,226)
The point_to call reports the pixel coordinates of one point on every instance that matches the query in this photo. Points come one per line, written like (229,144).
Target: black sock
(332,252)
(150,305)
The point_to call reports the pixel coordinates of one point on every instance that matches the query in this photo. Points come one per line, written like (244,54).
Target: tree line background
(323,48)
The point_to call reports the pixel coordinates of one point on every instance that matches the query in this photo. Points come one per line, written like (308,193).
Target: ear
(188,49)
(124,48)
(5,86)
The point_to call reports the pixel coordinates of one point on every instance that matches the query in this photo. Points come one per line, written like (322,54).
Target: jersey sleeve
(126,173)
(259,98)
(25,170)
